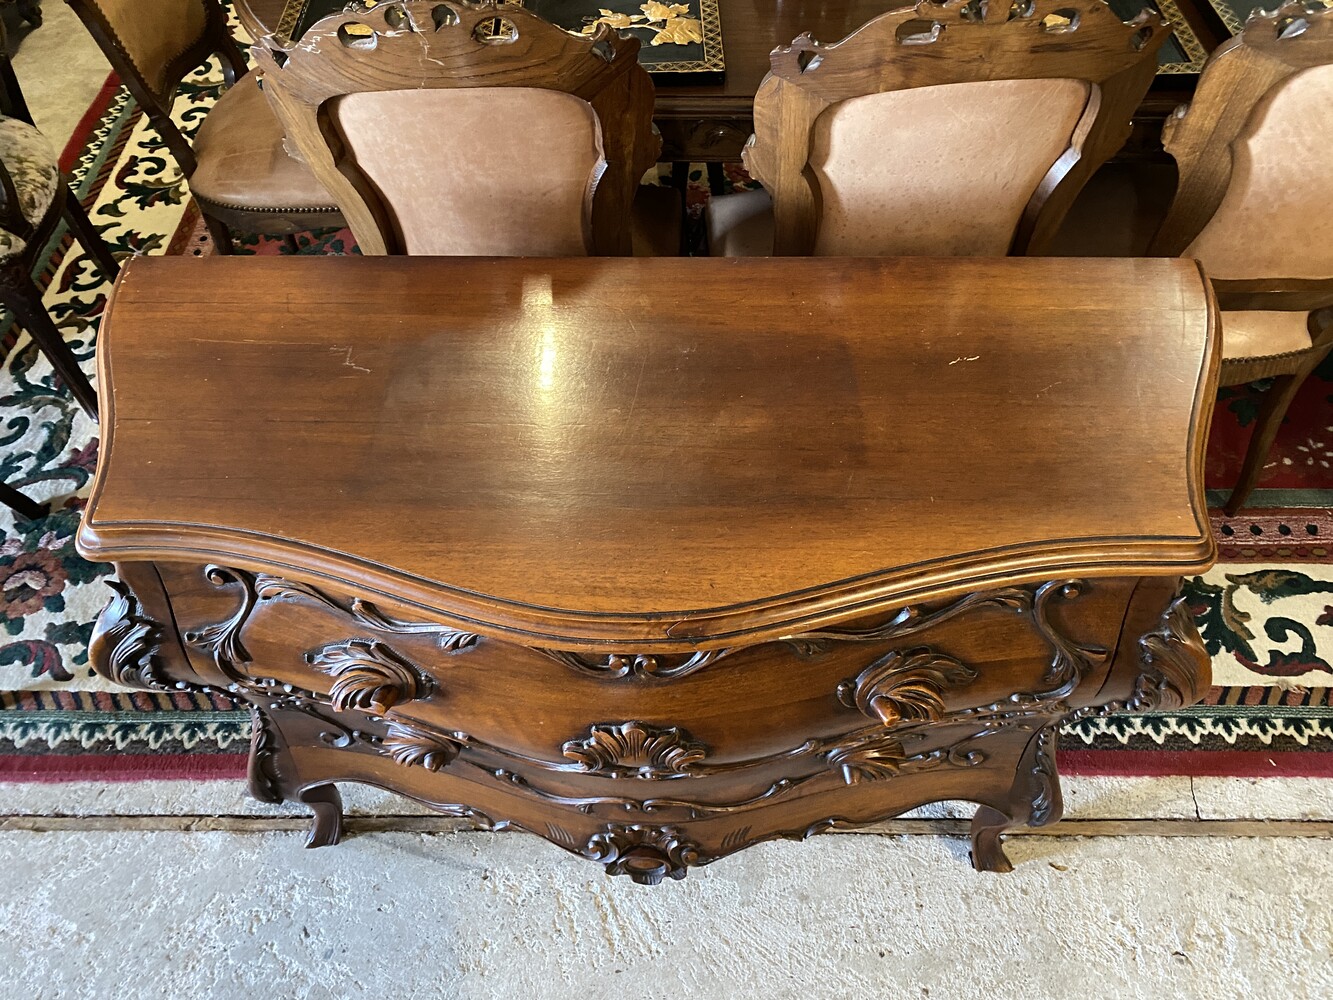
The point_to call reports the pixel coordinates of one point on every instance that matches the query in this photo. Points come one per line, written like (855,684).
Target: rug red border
(122,767)
(1195,763)
(78,140)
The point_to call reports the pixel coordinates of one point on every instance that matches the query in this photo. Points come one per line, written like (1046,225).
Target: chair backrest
(153,45)
(1255,148)
(458,128)
(957,128)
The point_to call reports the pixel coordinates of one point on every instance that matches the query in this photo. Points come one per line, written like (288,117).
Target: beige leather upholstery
(941,170)
(242,162)
(153,33)
(486,171)
(740,225)
(1276,218)
(30,160)
(1256,334)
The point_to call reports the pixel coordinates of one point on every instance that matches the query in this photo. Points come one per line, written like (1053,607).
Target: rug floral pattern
(1267,625)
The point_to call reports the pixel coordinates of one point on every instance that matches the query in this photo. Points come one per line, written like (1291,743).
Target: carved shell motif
(409,745)
(638,750)
(647,854)
(869,760)
(905,687)
(368,676)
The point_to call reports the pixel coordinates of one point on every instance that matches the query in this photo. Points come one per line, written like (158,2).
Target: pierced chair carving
(454,128)
(958,128)
(33,198)
(1254,148)
(238,168)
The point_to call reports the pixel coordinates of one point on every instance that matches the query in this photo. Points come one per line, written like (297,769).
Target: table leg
(1034,800)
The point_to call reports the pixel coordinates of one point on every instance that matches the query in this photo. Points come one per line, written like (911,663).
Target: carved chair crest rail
(658,577)
(548,133)
(958,128)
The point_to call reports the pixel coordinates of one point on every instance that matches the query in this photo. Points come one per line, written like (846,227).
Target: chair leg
(26,303)
(220,233)
(31,11)
(292,246)
(1276,401)
(24,505)
(83,230)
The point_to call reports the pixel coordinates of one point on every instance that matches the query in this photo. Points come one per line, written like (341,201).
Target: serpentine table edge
(657,578)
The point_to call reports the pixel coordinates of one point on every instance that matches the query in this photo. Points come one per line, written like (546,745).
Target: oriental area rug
(1265,612)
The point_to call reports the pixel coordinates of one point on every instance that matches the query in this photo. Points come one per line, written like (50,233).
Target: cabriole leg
(1034,800)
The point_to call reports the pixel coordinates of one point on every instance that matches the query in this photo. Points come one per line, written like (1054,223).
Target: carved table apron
(448,555)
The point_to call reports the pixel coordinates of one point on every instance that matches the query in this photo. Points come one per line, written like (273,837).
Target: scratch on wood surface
(958,359)
(348,362)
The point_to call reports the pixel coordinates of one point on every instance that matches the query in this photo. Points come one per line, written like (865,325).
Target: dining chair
(1254,148)
(237,168)
(35,197)
(481,129)
(958,128)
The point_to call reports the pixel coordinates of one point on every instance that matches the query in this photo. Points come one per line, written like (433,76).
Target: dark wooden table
(657,558)
(711,122)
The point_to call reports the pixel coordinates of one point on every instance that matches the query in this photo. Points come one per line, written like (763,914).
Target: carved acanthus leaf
(1072,660)
(636,749)
(1177,668)
(905,687)
(450,640)
(126,644)
(262,770)
(222,640)
(409,745)
(647,854)
(368,676)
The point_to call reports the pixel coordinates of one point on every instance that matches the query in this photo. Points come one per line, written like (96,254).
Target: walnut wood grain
(657,559)
(691,452)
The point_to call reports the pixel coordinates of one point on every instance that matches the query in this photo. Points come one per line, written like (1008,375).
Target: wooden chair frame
(958,41)
(1274,46)
(157,103)
(19,292)
(388,48)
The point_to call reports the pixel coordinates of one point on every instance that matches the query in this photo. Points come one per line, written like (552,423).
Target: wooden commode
(657,558)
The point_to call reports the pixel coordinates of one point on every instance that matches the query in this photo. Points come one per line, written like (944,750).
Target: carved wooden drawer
(520,663)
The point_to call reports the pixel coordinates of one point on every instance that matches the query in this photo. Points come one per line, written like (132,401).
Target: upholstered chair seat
(1259,334)
(237,167)
(31,161)
(242,162)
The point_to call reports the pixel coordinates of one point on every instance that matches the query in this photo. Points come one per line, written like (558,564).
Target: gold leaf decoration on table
(680,31)
(665,19)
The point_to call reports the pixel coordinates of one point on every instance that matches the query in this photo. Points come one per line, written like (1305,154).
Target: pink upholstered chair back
(447,128)
(964,127)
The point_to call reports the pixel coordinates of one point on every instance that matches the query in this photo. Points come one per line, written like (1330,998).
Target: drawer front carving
(846,694)
(651,762)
